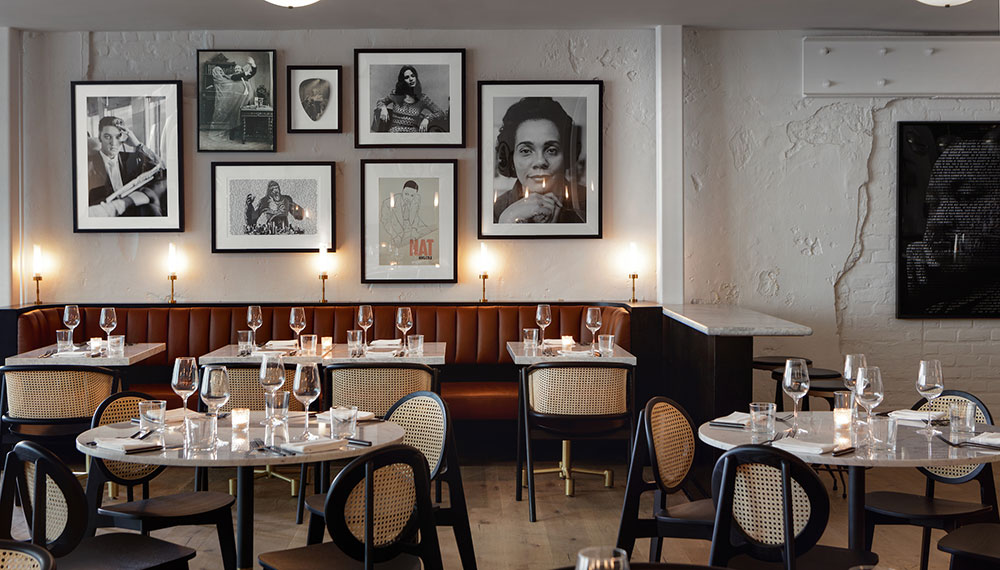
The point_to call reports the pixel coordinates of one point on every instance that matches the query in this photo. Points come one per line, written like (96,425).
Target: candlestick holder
(172,277)
(633,277)
(484,276)
(38,280)
(322,279)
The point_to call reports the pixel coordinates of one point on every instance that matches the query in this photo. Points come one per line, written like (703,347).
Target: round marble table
(236,453)
(912,450)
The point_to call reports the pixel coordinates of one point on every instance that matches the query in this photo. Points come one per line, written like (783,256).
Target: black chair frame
(43,557)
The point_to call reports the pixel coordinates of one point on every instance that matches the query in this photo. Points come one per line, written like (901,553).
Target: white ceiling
(141,15)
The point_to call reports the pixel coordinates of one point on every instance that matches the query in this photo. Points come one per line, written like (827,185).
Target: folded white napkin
(577,353)
(125,444)
(552,342)
(735,418)
(74,354)
(991,438)
(386,343)
(269,353)
(807,447)
(380,353)
(282,344)
(915,418)
(362,416)
(313,446)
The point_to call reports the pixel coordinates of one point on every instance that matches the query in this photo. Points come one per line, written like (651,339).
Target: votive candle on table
(240,418)
(567,342)
(842,417)
(327,343)
(96,343)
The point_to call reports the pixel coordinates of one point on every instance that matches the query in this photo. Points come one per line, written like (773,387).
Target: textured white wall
(790,209)
(131,267)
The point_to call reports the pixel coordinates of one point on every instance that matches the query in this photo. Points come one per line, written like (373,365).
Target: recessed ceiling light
(942,3)
(300,3)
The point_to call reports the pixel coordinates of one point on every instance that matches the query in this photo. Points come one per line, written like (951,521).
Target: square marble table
(134,353)
(433,355)
(523,357)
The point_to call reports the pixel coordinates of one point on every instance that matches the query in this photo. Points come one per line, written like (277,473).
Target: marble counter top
(729,320)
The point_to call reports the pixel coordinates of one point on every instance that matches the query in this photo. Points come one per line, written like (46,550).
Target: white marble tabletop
(230,453)
(433,355)
(912,449)
(730,320)
(133,353)
(523,357)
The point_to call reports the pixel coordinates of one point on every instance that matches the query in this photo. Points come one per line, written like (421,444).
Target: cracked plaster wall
(790,209)
(131,266)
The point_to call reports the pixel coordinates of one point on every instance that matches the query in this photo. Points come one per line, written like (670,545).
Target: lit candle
(324,258)
(841,417)
(36,261)
(567,342)
(172,259)
(240,418)
(484,259)
(633,257)
(96,343)
(327,343)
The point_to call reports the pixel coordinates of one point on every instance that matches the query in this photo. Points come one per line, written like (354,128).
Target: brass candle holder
(322,279)
(172,277)
(484,276)
(38,280)
(633,277)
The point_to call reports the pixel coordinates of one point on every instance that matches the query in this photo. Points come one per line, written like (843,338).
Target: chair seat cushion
(701,511)
(976,541)
(818,557)
(171,506)
(307,557)
(124,551)
(905,505)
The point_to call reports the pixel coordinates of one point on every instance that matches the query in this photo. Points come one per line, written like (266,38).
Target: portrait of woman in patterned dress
(406,109)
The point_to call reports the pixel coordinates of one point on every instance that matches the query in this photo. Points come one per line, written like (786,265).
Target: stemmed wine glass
(306,389)
(602,558)
(254,319)
(593,324)
(795,383)
(71,318)
(214,388)
(185,378)
(868,391)
(365,320)
(852,364)
(108,322)
(272,377)
(404,321)
(543,318)
(297,320)
(930,384)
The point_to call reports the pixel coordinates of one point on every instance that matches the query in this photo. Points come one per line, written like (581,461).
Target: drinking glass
(297,320)
(762,418)
(415,344)
(116,345)
(853,363)
(307,344)
(796,384)
(71,318)
(602,558)
(214,387)
(306,390)
(543,318)
(64,340)
(930,384)
(254,320)
(882,431)
(868,392)
(355,343)
(365,320)
(343,421)
(962,417)
(184,380)
(404,321)
(244,343)
(108,320)
(152,415)
(276,408)
(593,323)
(530,338)
(606,344)
(272,377)
(200,432)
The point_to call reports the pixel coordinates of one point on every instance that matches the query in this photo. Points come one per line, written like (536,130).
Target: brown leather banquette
(477,381)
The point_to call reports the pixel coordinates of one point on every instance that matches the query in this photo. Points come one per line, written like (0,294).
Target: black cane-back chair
(24,556)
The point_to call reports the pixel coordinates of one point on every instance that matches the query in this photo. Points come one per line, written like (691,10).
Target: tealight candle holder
(326,343)
(96,343)
(567,342)
(240,418)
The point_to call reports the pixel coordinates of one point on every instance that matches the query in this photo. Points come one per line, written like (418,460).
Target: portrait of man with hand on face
(124,182)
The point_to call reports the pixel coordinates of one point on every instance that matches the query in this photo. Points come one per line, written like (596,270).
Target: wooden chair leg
(227,539)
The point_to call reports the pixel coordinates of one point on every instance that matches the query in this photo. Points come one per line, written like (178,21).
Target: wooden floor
(505,539)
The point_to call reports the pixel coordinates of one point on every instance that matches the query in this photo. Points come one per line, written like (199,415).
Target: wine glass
(543,318)
(214,387)
(108,322)
(930,384)
(71,318)
(185,378)
(254,319)
(404,321)
(853,363)
(593,323)
(365,320)
(868,391)
(306,389)
(297,320)
(272,377)
(795,383)
(602,558)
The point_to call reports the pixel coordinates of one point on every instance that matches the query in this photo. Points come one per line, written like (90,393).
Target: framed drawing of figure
(127,156)
(540,159)
(236,100)
(314,98)
(409,229)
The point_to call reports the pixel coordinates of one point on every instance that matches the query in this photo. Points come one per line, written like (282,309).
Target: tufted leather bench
(477,381)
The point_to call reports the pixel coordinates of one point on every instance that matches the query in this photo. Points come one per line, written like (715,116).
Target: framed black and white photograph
(409,229)
(272,207)
(127,156)
(237,100)
(948,220)
(540,159)
(409,98)
(314,98)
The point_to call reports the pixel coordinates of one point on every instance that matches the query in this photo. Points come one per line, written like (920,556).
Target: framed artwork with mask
(540,159)
(409,223)
(127,156)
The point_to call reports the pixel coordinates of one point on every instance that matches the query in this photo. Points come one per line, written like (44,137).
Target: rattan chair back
(379,505)
(375,387)
(122,407)
(578,390)
(670,434)
(51,498)
(24,556)
(955,474)
(245,390)
(424,417)
(55,392)
(759,492)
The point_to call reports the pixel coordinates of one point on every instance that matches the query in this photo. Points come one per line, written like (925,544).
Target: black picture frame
(443,132)
(260,120)
(584,98)
(419,171)
(294,101)
(95,208)
(255,178)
